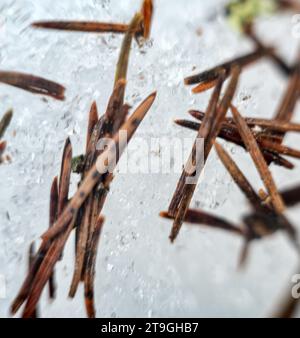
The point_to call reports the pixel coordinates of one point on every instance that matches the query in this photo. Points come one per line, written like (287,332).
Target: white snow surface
(138,272)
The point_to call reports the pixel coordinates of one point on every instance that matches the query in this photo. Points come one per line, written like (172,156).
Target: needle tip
(164,214)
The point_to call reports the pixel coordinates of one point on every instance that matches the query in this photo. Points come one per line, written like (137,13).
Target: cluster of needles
(82,213)
(262,138)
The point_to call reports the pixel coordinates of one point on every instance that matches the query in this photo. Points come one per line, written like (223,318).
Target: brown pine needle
(33,84)
(188,124)
(5,122)
(197,114)
(65,176)
(238,176)
(53,213)
(199,217)
(28,282)
(3,145)
(114,109)
(93,119)
(259,161)
(90,269)
(290,98)
(81,246)
(214,73)
(147,12)
(31,255)
(120,118)
(122,65)
(94,212)
(222,110)
(262,223)
(83,26)
(202,87)
(106,125)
